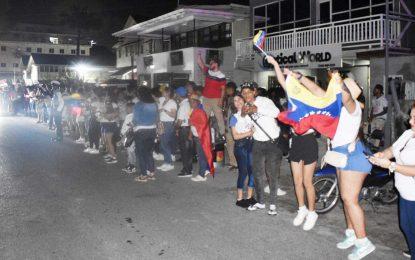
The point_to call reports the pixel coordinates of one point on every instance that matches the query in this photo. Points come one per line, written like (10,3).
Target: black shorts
(304,148)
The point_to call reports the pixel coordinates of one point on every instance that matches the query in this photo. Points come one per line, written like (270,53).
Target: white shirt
(127,123)
(405,184)
(104,111)
(184,112)
(169,106)
(241,124)
(348,127)
(265,117)
(378,105)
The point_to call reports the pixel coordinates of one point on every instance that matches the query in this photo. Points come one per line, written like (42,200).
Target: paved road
(58,203)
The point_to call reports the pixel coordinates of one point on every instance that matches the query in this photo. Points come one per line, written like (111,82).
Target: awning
(121,71)
(181,20)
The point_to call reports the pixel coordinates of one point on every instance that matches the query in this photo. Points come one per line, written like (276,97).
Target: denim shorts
(356,160)
(108,127)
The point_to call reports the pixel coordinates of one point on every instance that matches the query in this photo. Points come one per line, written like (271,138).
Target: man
(266,155)
(379,109)
(229,110)
(213,91)
(200,133)
(57,108)
(183,132)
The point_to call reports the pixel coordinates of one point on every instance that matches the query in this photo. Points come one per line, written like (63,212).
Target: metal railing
(365,32)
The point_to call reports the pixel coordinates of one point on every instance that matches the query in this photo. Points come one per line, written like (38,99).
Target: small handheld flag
(259,41)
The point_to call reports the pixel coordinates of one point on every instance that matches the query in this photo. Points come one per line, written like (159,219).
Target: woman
(109,127)
(403,150)
(242,131)
(351,176)
(167,110)
(145,116)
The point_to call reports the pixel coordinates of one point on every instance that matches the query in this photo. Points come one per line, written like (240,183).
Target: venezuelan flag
(306,111)
(259,40)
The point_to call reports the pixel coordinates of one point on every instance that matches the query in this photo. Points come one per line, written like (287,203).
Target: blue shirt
(145,114)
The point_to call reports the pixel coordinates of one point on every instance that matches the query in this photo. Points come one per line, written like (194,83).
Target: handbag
(335,159)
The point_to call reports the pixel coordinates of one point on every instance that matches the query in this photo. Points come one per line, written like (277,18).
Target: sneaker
(348,241)
(198,178)
(158,156)
(301,215)
(310,220)
(133,169)
(80,141)
(184,175)
(251,201)
(266,189)
(94,151)
(406,253)
(161,167)
(141,179)
(127,169)
(111,161)
(167,167)
(173,157)
(272,210)
(105,156)
(363,247)
(281,192)
(242,203)
(151,176)
(87,150)
(256,206)
(207,173)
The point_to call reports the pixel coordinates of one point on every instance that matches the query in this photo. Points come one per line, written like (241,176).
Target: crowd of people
(190,121)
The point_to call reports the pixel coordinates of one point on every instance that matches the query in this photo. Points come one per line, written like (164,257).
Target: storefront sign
(323,56)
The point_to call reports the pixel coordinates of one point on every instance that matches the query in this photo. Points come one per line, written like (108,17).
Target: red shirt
(214,82)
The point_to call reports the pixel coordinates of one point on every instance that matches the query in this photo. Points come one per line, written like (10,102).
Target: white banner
(314,57)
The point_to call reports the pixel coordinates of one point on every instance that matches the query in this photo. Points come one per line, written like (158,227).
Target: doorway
(324,11)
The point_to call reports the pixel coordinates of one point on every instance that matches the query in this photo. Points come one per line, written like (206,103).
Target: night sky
(108,15)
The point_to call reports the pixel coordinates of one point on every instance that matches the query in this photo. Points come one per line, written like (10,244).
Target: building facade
(166,47)
(313,35)
(26,39)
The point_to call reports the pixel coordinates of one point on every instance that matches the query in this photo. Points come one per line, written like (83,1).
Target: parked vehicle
(378,187)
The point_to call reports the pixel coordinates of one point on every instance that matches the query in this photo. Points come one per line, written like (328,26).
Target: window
(259,12)
(273,14)
(360,3)
(42,68)
(282,15)
(119,53)
(15,65)
(127,51)
(83,52)
(287,11)
(3,65)
(51,50)
(302,10)
(62,51)
(3,48)
(56,69)
(340,5)
(39,50)
(361,13)
(28,49)
(73,51)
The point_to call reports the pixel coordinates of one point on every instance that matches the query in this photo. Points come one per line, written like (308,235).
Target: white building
(346,34)
(166,47)
(48,67)
(25,39)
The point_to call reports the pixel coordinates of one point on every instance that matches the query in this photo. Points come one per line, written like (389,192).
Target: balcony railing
(359,33)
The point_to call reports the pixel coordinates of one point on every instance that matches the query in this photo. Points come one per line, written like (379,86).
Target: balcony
(360,34)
